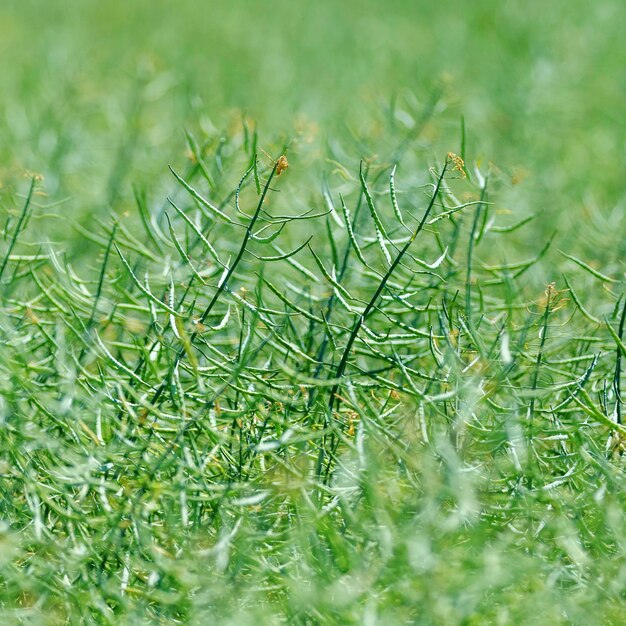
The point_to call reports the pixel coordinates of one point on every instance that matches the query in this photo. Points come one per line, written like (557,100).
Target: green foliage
(380,386)
(233,430)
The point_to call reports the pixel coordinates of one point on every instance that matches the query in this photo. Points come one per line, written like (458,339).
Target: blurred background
(96,95)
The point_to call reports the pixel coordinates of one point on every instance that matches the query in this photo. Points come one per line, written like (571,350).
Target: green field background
(541,85)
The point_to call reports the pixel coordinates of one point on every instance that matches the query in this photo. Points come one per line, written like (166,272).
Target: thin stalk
(618,367)
(370,306)
(535,380)
(222,285)
(470,252)
(18,228)
(544,336)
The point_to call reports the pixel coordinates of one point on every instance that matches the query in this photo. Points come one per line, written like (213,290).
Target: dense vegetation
(344,364)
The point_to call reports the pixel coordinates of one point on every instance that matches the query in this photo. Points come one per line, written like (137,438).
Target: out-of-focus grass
(163,471)
(540,84)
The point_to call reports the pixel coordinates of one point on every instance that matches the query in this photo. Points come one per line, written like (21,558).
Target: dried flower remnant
(281,165)
(554,298)
(458,162)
